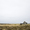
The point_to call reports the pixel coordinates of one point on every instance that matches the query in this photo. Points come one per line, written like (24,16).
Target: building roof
(24,22)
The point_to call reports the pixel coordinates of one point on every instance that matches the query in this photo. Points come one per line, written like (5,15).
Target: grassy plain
(14,27)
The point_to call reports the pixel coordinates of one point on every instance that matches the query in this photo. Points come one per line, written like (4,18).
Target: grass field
(14,27)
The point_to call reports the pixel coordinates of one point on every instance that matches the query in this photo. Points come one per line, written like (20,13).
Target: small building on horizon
(23,23)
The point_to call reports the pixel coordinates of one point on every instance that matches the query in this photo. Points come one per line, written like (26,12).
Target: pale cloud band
(14,11)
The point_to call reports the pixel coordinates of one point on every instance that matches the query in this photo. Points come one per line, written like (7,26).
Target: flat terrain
(14,27)
(13,24)
(9,24)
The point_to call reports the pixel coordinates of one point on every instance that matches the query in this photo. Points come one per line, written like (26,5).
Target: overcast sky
(14,11)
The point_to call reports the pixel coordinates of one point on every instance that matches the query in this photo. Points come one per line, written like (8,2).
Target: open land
(14,27)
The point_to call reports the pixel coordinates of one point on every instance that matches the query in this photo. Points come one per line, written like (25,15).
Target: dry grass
(15,27)
(9,24)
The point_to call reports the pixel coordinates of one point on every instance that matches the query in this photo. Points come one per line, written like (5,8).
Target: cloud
(14,11)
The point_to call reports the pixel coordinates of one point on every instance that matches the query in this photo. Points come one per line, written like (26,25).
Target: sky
(14,11)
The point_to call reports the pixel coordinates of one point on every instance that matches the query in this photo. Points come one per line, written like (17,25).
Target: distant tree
(20,23)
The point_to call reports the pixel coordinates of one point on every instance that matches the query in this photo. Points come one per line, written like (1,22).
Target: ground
(14,27)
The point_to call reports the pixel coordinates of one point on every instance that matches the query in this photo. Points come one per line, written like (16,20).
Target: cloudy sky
(14,11)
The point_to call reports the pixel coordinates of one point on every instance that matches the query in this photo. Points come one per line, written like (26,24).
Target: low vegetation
(15,27)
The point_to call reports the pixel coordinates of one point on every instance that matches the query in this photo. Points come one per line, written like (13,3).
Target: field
(14,27)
